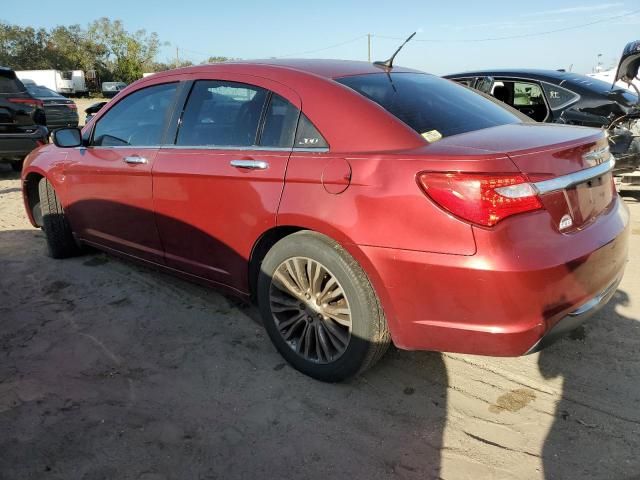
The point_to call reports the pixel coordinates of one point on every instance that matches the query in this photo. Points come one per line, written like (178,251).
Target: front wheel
(57,231)
(319,308)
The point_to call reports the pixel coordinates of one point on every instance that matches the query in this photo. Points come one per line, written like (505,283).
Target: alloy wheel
(310,309)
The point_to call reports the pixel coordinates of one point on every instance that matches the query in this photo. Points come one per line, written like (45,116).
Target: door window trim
(253,148)
(183,97)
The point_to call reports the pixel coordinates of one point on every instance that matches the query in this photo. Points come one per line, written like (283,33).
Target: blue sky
(254,29)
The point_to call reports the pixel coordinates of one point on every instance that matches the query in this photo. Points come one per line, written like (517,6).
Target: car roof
(321,67)
(310,83)
(582,84)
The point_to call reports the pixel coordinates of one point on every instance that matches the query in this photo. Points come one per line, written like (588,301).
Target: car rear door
(109,185)
(218,188)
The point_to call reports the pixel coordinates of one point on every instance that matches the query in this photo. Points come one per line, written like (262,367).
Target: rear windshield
(430,105)
(9,84)
(42,92)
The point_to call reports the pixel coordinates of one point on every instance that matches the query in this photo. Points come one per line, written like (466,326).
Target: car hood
(629,62)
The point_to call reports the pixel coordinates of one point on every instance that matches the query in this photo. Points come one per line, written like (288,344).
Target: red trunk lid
(546,152)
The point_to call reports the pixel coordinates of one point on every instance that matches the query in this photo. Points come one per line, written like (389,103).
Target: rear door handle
(250,164)
(135,159)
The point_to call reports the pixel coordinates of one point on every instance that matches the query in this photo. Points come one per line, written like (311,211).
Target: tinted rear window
(8,84)
(427,103)
(42,92)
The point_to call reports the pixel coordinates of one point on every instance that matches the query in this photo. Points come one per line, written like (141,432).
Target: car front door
(218,188)
(109,183)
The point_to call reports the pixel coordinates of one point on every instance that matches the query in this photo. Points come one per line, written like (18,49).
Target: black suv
(22,120)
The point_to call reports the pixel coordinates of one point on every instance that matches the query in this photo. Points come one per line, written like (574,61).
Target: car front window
(136,120)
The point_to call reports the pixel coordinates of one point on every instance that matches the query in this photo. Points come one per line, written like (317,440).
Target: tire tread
(60,240)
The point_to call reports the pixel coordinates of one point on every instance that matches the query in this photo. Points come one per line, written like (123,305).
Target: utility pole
(369,47)
(177,57)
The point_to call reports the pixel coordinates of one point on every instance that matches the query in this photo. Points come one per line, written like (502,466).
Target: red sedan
(357,205)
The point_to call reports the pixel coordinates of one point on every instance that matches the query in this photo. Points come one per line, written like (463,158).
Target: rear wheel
(16,165)
(60,241)
(319,308)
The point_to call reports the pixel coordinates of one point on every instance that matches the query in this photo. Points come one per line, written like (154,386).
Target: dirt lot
(113,371)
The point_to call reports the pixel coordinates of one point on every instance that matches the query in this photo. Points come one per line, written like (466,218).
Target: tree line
(104,46)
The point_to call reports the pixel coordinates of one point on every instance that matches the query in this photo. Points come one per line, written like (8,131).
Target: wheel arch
(31,195)
(260,248)
(269,238)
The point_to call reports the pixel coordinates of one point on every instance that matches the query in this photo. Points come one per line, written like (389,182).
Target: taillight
(72,106)
(32,102)
(483,199)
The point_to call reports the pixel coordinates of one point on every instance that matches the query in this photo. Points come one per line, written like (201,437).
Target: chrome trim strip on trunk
(572,179)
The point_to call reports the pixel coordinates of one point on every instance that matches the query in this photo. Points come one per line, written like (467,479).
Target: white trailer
(56,80)
(79,83)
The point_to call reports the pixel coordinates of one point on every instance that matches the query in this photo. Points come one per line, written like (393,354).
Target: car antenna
(388,64)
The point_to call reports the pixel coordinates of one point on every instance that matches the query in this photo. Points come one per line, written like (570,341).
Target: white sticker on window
(432,136)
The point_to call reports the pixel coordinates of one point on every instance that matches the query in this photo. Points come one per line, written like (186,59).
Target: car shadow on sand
(596,428)
(110,370)
(7,173)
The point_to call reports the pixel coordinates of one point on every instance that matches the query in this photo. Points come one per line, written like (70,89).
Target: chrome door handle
(250,164)
(135,159)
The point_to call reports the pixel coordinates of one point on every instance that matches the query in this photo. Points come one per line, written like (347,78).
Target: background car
(22,120)
(92,109)
(59,110)
(356,204)
(111,89)
(556,96)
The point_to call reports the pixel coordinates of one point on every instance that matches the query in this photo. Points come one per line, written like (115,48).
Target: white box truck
(56,80)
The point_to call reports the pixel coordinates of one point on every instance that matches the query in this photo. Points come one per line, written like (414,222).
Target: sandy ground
(113,371)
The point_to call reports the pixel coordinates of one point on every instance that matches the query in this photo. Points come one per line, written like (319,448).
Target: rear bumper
(17,146)
(576,318)
(521,291)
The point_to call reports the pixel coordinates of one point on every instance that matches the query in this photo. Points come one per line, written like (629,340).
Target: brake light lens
(32,102)
(482,199)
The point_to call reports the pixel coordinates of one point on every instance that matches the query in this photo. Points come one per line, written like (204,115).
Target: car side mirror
(67,137)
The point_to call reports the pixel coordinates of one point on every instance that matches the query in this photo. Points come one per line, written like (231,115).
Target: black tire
(16,166)
(369,335)
(57,231)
